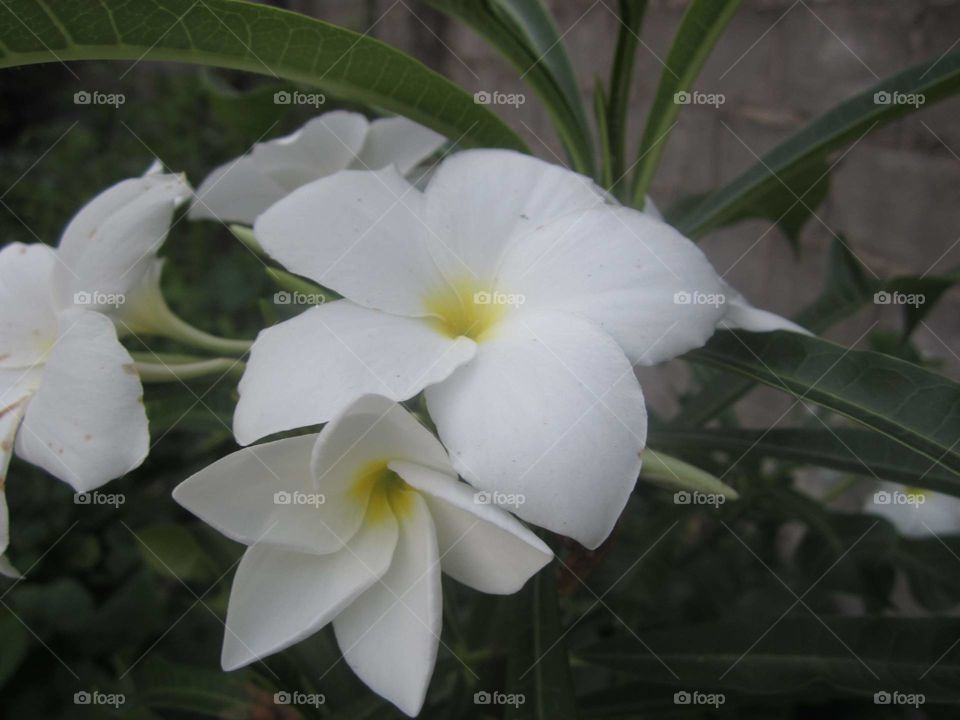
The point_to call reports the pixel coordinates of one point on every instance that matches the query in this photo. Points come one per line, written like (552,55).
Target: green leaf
(798,656)
(700,28)
(254,38)
(172,551)
(614,126)
(538,667)
(934,79)
(524,32)
(910,405)
(852,450)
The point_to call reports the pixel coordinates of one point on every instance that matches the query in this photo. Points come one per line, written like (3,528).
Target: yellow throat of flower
(465,309)
(383,490)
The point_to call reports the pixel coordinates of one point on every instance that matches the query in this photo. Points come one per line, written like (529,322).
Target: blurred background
(129,603)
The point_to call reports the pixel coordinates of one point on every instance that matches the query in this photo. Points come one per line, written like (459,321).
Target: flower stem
(157,372)
(175,328)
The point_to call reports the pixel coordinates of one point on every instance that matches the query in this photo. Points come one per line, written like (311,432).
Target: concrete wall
(894,196)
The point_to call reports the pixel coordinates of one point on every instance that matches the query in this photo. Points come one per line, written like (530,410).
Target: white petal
(14,395)
(549,409)
(399,142)
(237,192)
(267,494)
(744,316)
(480,545)
(626,271)
(915,513)
(390,635)
(359,233)
(306,370)
(280,597)
(111,243)
(86,423)
(242,189)
(479,201)
(28,323)
(371,429)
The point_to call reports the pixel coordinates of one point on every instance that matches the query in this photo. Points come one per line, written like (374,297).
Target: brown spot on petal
(4,356)
(87,438)
(130,369)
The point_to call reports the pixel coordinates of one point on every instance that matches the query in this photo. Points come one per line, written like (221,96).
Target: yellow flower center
(466,309)
(383,491)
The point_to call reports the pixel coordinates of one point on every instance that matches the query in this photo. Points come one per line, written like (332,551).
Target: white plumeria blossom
(514,295)
(238,191)
(915,512)
(353,526)
(71,401)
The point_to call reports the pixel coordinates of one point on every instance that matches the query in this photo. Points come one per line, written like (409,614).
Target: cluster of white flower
(535,400)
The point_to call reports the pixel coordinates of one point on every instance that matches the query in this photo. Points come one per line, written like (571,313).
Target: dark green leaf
(14,639)
(207,693)
(251,37)
(172,551)
(912,406)
(614,125)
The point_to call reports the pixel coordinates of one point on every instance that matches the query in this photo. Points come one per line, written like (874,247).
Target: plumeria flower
(70,398)
(915,512)
(514,295)
(241,189)
(353,526)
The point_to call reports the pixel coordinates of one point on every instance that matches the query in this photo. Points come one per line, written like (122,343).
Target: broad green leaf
(832,657)
(614,126)
(525,33)
(538,667)
(251,37)
(701,27)
(846,449)
(605,175)
(910,405)
(848,288)
(932,80)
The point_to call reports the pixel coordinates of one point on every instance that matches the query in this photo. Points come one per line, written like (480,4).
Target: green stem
(162,372)
(173,327)
(248,239)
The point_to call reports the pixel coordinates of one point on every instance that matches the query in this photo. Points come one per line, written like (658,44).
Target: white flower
(353,526)
(108,253)
(70,398)
(514,295)
(915,512)
(241,189)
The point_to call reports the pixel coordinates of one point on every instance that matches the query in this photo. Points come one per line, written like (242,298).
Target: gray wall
(894,196)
